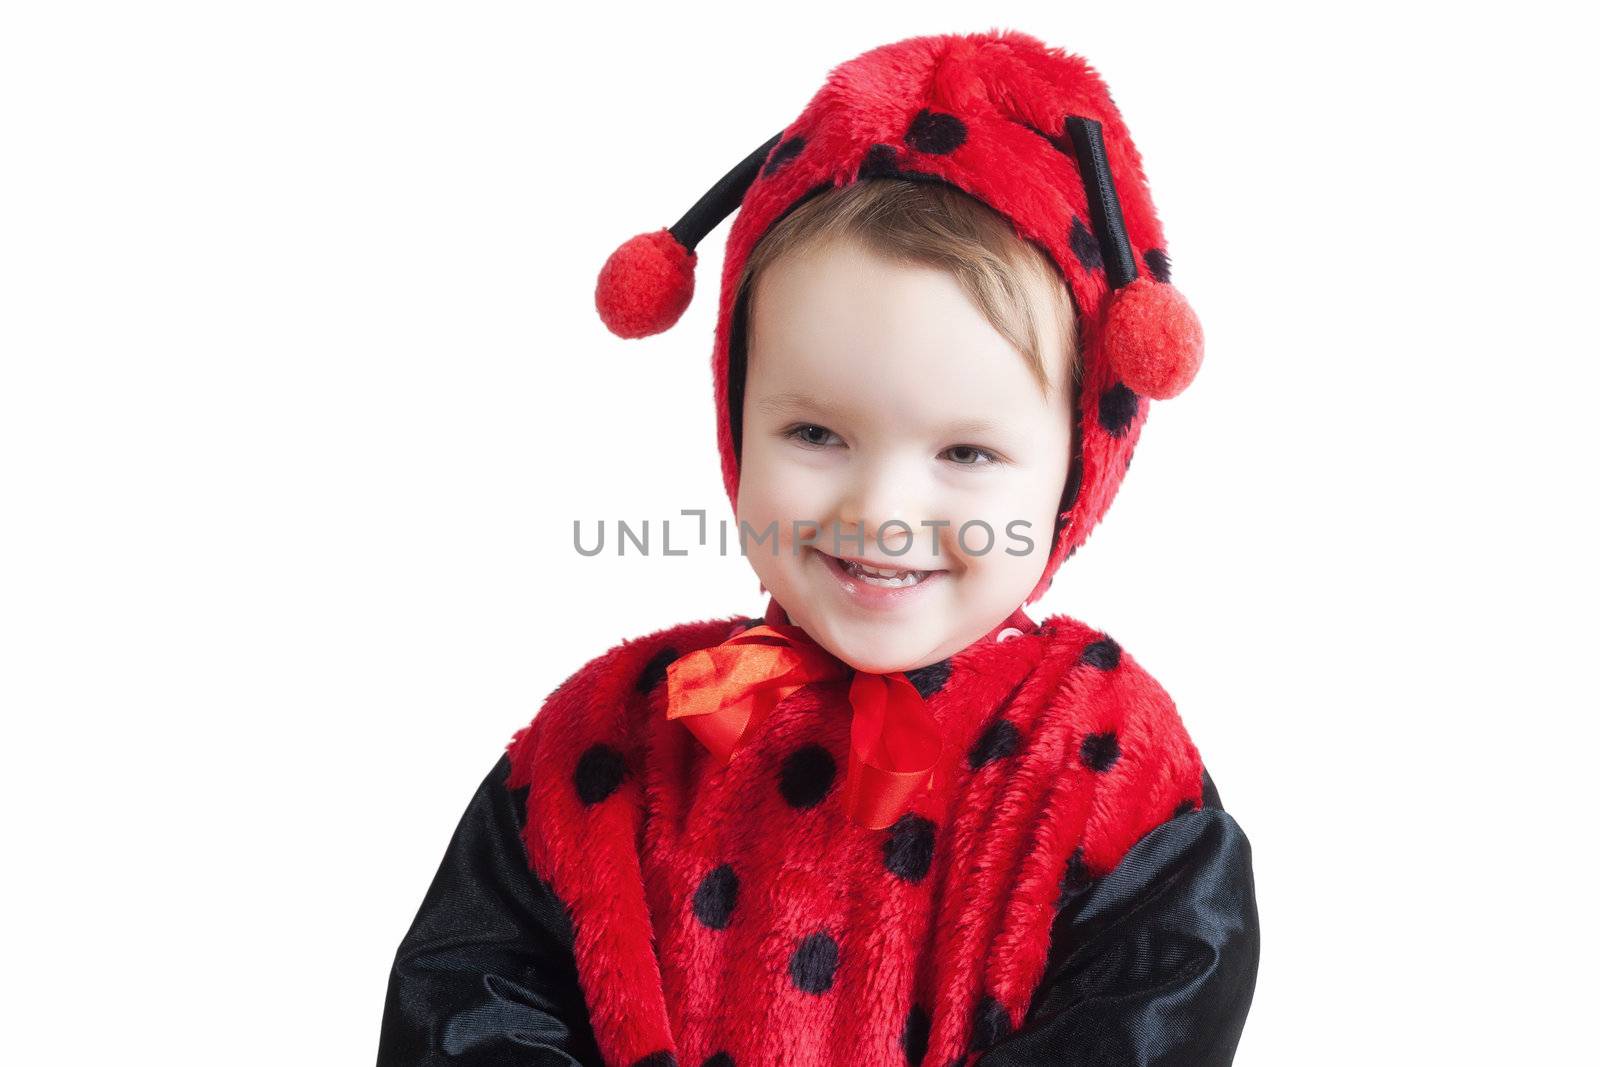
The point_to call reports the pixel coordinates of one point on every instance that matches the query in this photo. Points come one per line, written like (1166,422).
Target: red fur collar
(735,910)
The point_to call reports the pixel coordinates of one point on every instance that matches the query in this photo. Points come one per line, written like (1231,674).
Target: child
(893,820)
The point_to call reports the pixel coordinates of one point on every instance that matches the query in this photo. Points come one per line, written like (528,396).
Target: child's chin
(877,653)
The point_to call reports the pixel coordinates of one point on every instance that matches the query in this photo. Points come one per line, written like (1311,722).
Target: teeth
(880,576)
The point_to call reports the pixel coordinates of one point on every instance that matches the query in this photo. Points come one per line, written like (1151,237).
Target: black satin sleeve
(1154,963)
(486,975)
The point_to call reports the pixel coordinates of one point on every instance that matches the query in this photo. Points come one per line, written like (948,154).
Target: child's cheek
(770,503)
(985,524)
(789,490)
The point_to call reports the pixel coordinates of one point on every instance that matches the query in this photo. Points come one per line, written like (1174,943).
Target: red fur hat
(1027,129)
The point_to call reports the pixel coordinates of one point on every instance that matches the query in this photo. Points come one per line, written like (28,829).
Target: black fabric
(722,199)
(1155,964)
(486,975)
(1105,210)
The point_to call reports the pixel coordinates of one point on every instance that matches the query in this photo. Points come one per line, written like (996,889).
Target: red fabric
(724,694)
(1153,339)
(737,908)
(645,285)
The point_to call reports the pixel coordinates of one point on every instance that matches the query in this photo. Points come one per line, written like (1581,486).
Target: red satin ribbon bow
(725,692)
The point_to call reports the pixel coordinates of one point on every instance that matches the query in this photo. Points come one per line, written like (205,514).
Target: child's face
(876,391)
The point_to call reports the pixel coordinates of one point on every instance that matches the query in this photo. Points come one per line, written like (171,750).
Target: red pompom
(645,285)
(1152,337)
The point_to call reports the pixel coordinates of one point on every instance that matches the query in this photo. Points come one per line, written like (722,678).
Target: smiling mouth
(879,576)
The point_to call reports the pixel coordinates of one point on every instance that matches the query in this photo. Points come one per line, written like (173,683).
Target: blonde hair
(935,224)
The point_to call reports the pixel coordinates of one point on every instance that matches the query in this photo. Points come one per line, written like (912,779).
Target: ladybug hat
(1028,130)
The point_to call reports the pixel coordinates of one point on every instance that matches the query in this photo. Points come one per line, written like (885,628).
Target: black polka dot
(936,133)
(656,670)
(1100,751)
(989,1023)
(718,1059)
(806,776)
(1103,654)
(716,896)
(914,1038)
(930,679)
(1084,246)
(1184,807)
(753,622)
(600,771)
(1075,878)
(664,1058)
(881,161)
(1160,266)
(1118,406)
(813,963)
(908,850)
(1001,739)
(782,154)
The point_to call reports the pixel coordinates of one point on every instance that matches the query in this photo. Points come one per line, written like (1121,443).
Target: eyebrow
(778,403)
(980,426)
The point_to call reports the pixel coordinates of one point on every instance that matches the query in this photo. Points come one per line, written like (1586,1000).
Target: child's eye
(971,455)
(810,434)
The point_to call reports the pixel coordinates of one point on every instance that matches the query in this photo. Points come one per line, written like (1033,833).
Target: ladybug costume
(716,846)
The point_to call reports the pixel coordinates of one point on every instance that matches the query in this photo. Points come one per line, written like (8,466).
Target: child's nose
(883,506)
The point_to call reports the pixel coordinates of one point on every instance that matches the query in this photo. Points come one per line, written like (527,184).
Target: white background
(303,387)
